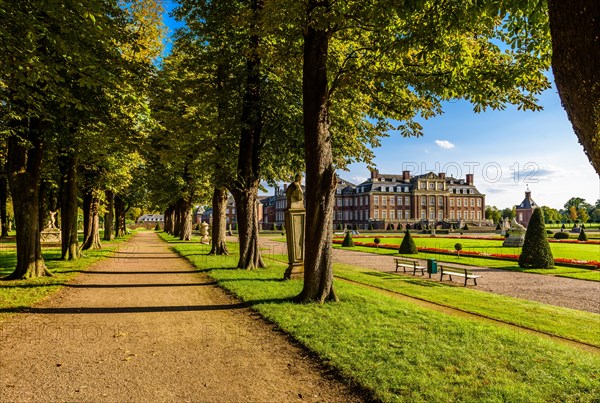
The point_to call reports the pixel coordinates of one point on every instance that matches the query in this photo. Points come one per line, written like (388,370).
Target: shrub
(157,227)
(549,232)
(563,226)
(582,236)
(371,227)
(348,242)
(377,241)
(536,251)
(561,235)
(498,227)
(399,227)
(466,227)
(390,227)
(274,227)
(408,245)
(458,248)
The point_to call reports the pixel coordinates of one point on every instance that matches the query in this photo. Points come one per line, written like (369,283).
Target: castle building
(525,209)
(390,199)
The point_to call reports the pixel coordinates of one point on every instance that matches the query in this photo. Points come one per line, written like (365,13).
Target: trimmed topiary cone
(408,245)
(348,242)
(582,235)
(536,251)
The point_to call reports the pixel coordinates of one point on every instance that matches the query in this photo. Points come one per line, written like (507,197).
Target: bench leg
(466,281)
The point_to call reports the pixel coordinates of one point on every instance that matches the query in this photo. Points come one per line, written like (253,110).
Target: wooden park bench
(460,272)
(409,264)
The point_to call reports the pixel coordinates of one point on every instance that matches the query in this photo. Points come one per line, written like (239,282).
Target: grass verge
(564,322)
(403,352)
(21,294)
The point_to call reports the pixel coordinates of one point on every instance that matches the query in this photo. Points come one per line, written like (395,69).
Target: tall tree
(575,30)
(388,59)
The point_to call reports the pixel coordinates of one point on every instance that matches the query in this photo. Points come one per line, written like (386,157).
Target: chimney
(374,173)
(406,176)
(442,175)
(469,179)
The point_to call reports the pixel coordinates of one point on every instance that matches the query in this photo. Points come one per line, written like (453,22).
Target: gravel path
(144,327)
(560,291)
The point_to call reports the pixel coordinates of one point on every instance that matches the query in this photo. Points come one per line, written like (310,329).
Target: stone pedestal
(50,236)
(516,238)
(295,220)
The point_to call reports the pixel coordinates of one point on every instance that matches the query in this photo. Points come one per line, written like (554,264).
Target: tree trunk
(24,168)
(42,205)
(177,219)
(91,219)
(185,214)
(120,225)
(320,173)
(169,218)
(245,189)
(68,208)
(109,217)
(575,30)
(3,201)
(246,205)
(219,230)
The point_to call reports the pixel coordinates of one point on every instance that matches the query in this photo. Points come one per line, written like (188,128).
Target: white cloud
(444,144)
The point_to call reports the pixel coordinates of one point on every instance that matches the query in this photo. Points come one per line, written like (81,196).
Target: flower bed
(586,264)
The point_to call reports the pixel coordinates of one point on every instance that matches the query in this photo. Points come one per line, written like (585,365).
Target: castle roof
(527,203)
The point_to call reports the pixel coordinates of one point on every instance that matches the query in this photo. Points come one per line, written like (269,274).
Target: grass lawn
(402,352)
(559,250)
(21,294)
(561,271)
(564,322)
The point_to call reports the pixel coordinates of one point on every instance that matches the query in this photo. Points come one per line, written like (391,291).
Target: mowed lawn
(400,351)
(580,251)
(577,251)
(17,295)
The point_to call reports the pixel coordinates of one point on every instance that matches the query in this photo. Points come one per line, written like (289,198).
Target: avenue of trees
(252,91)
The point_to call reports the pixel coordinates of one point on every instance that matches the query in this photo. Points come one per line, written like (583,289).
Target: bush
(348,242)
(549,232)
(408,245)
(157,227)
(582,236)
(536,251)
(563,226)
(466,227)
(399,227)
(458,248)
(498,227)
(377,241)
(390,227)
(561,235)
(371,227)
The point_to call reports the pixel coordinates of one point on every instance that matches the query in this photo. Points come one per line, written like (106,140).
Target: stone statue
(294,194)
(295,217)
(516,234)
(52,220)
(50,234)
(204,233)
(515,225)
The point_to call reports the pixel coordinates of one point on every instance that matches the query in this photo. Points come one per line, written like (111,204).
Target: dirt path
(560,291)
(142,326)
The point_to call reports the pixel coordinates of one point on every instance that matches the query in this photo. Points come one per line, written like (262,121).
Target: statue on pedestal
(516,234)
(204,233)
(295,218)
(50,234)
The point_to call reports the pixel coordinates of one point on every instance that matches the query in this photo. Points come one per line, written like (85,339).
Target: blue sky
(506,150)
